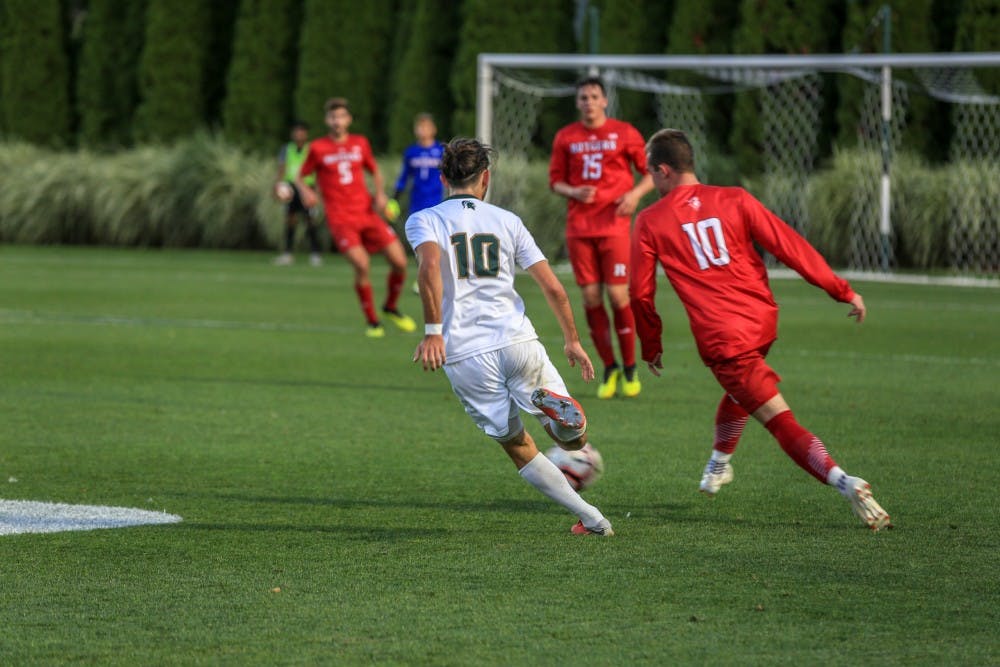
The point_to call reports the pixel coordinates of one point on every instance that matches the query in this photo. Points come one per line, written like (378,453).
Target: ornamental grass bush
(205,192)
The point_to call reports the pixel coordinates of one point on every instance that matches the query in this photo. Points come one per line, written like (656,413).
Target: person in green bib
(290,159)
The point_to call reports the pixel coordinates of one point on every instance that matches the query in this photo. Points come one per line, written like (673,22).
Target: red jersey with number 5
(603,157)
(340,168)
(704,237)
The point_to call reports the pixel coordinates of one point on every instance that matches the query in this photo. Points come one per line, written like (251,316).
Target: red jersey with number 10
(340,168)
(603,157)
(704,237)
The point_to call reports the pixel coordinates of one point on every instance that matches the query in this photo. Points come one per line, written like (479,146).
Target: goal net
(896,209)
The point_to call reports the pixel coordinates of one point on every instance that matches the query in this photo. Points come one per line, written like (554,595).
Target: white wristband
(433,329)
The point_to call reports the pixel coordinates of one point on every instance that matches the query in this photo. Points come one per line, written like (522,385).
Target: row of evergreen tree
(112,73)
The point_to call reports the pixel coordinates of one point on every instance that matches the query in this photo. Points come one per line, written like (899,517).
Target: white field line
(862,276)
(37,318)
(142,261)
(929,359)
(28,516)
(875,305)
(8,316)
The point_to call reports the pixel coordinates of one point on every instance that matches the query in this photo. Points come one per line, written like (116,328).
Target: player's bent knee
(514,440)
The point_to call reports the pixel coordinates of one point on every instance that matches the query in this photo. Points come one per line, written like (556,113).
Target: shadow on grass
(360,533)
(665,514)
(652,515)
(498,505)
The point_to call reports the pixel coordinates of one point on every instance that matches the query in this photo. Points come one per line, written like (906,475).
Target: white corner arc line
(30,516)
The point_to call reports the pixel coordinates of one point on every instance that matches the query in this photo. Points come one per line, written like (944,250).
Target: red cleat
(603,530)
(563,410)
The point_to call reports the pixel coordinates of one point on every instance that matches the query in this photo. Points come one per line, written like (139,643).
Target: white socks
(717,462)
(839,480)
(542,474)
(720,456)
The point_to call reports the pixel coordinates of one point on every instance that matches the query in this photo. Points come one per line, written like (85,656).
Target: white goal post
(511,86)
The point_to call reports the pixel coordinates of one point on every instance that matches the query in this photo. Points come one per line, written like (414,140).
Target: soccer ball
(283,191)
(582,467)
(391,210)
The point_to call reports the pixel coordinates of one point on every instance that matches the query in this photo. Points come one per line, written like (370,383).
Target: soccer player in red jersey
(340,161)
(591,165)
(703,237)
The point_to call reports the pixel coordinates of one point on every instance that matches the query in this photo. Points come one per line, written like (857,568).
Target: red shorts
(599,259)
(748,378)
(370,231)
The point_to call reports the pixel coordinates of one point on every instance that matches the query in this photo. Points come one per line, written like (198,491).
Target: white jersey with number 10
(481,246)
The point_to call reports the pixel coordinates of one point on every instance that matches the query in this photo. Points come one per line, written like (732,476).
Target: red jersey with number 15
(340,168)
(603,157)
(704,237)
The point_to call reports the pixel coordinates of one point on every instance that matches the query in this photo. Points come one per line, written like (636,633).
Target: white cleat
(315,259)
(284,259)
(859,492)
(716,475)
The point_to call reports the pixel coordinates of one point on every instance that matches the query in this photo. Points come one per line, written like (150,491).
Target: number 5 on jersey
(485,252)
(707,242)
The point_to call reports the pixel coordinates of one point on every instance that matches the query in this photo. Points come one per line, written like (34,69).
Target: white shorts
(494,386)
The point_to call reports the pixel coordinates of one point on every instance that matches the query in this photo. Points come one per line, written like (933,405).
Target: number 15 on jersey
(592,163)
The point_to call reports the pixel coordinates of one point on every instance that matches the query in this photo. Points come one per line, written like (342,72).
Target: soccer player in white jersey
(477,331)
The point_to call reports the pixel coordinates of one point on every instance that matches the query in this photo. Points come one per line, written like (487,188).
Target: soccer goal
(883,213)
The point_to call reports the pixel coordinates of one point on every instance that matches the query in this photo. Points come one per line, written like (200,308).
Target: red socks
(395,284)
(625,328)
(730,419)
(805,448)
(600,333)
(364,293)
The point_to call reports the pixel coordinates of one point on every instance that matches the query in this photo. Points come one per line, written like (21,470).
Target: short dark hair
(591,81)
(300,125)
(672,148)
(463,160)
(422,116)
(336,103)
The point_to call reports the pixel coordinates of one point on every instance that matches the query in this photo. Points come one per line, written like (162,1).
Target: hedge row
(204,192)
(120,72)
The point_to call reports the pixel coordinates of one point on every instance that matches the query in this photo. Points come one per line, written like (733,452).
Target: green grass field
(307,458)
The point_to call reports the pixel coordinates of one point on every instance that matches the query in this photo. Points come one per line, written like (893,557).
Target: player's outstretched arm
(280,176)
(378,182)
(555,295)
(642,295)
(430,351)
(858,310)
(656,364)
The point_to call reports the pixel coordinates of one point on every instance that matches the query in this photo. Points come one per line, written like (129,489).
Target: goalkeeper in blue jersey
(421,162)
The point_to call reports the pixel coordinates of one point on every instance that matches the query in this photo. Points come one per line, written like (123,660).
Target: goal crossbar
(822,62)
(793,101)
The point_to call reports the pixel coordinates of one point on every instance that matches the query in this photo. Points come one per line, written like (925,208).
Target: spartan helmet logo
(468,204)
